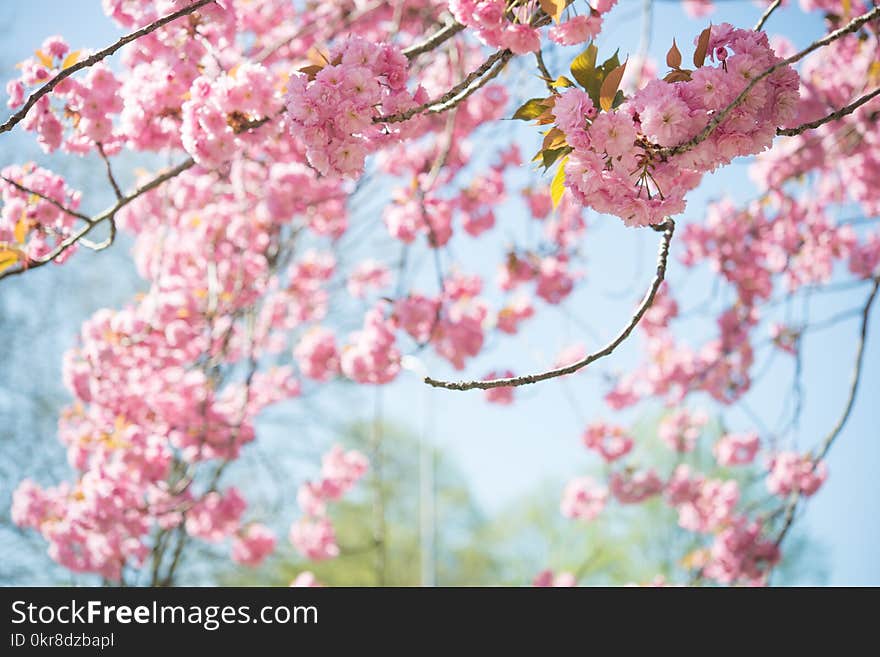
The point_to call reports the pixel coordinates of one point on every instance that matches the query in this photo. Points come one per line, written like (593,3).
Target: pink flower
(521,39)
(315,539)
(306,579)
(547,578)
(576,29)
(736,449)
(583,499)
(631,487)
(611,441)
(253,545)
(681,429)
(795,473)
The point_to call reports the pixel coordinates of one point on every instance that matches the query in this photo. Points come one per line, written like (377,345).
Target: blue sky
(507,451)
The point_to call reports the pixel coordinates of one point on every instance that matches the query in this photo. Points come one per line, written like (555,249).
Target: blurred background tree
(380,527)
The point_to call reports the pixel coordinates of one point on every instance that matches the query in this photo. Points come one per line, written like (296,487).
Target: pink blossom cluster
(253,544)
(31,224)
(547,578)
(219,108)
(740,553)
(85,104)
(313,534)
(334,112)
(703,504)
(681,429)
(611,441)
(614,167)
(736,448)
(583,499)
(490,21)
(790,472)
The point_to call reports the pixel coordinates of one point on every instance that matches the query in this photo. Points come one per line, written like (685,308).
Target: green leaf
(563,81)
(583,67)
(548,157)
(557,187)
(530,110)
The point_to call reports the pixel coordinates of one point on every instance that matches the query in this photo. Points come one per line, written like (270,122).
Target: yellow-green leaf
(21,230)
(609,87)
(702,47)
(70,60)
(583,68)
(673,57)
(563,81)
(45,60)
(553,8)
(531,109)
(557,187)
(7,258)
(554,138)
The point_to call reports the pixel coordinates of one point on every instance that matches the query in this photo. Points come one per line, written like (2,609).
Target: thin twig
(108,215)
(483,81)
(668,228)
(834,116)
(847,410)
(48,199)
(109,169)
(439,37)
(94,59)
(462,86)
(545,73)
(767,13)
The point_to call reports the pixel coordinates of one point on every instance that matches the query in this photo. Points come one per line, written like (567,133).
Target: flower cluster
(313,534)
(617,165)
(333,110)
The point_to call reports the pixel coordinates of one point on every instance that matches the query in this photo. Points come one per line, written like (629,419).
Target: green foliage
(625,544)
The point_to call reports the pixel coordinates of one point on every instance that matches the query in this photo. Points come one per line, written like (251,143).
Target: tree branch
(94,59)
(668,228)
(847,410)
(767,13)
(440,36)
(834,116)
(462,86)
(48,199)
(108,215)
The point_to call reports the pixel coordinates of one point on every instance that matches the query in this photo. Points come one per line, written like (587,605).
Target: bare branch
(834,116)
(48,199)
(109,169)
(94,59)
(450,95)
(483,81)
(668,228)
(545,72)
(436,39)
(849,28)
(791,508)
(767,13)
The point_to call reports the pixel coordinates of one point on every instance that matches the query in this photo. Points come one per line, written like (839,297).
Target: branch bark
(834,116)
(668,228)
(107,215)
(94,59)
